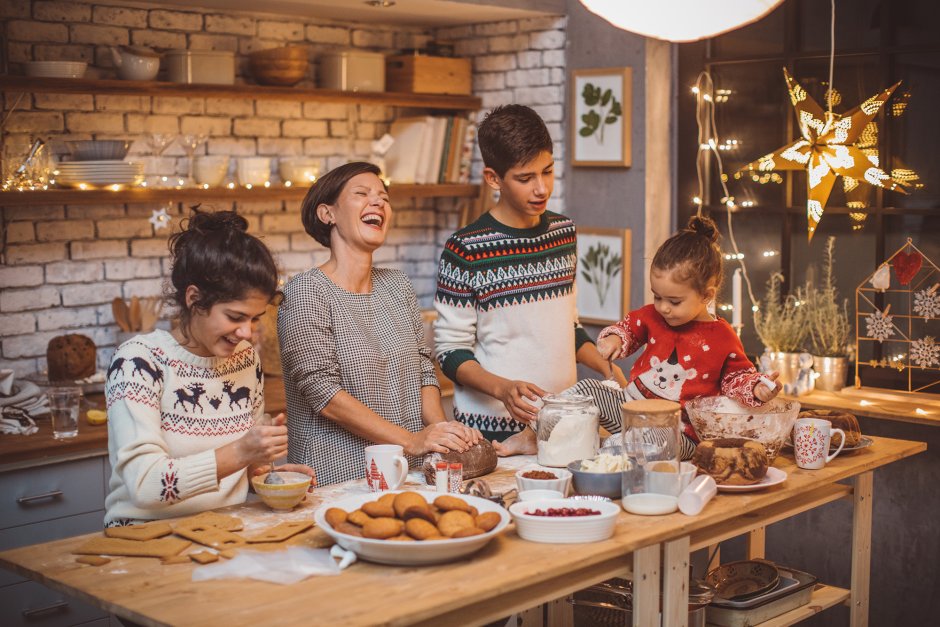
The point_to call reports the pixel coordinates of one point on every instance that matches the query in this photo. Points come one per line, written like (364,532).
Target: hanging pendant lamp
(680,20)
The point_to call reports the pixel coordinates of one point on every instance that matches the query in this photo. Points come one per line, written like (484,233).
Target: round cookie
(382,528)
(405,500)
(420,529)
(453,521)
(488,520)
(335,516)
(447,503)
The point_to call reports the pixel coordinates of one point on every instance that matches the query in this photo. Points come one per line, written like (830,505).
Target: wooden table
(507,576)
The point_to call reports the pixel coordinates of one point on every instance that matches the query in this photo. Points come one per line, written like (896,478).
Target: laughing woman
(184,407)
(356,368)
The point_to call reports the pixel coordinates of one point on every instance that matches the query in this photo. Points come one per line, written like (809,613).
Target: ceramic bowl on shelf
(564,529)
(715,417)
(560,482)
(282,496)
(253,170)
(210,169)
(299,170)
(56,69)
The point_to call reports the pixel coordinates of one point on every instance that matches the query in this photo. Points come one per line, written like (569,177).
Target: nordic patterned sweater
(168,410)
(506,298)
(699,358)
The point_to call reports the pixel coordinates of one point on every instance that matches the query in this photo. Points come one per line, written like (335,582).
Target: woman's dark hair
(326,191)
(215,253)
(512,135)
(693,254)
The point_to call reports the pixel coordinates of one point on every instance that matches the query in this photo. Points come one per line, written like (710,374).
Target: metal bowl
(606,484)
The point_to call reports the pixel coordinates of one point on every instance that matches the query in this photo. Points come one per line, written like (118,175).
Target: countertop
(923,409)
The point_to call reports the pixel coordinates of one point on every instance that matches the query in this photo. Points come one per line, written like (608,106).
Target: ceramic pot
(135,63)
(830,372)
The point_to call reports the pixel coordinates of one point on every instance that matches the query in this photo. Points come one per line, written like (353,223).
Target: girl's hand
(443,437)
(764,393)
(609,347)
(264,442)
(518,398)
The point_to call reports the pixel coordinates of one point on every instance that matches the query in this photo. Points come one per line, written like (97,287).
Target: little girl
(184,406)
(689,353)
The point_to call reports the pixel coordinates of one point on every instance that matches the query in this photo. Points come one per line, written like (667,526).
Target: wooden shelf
(193,195)
(824,597)
(922,409)
(240,92)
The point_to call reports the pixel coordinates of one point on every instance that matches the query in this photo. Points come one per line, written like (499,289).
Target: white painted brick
(201,41)
(372,39)
(19,232)
(555,129)
(253,127)
(158,38)
(143,123)
(496,28)
(529,59)
(409,40)
(95,211)
(528,78)
(66,318)
(281,31)
(143,287)
(179,106)
(35,212)
(301,242)
(212,126)
(258,207)
(60,231)
(254,223)
(235,25)
(98,249)
(489,81)
(74,272)
(149,248)
(48,121)
(328,35)
(554,58)
(61,11)
(414,218)
(453,32)
(32,345)
(28,300)
(541,95)
(175,20)
(277,243)
(496,98)
(229,106)
(547,40)
(295,262)
(278,109)
(89,294)
(509,43)
(325,110)
(370,130)
(18,30)
(17,324)
(339,128)
(231,146)
(558,22)
(19,52)
(98,35)
(471,47)
(495,63)
(281,222)
(20,276)
(558,76)
(306,128)
(124,269)
(280,147)
(94,122)
(549,113)
(34,253)
(120,16)
(14,8)
(118,229)
(70,102)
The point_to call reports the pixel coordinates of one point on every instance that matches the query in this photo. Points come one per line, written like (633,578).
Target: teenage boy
(507,331)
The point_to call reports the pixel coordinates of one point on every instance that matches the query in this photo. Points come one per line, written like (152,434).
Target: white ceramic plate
(410,553)
(566,529)
(774,476)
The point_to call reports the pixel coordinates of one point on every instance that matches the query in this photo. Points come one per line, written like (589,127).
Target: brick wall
(62,265)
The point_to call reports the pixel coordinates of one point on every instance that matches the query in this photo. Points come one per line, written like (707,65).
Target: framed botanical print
(600,117)
(603,280)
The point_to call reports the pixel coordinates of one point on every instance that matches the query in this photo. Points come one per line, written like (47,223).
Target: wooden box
(428,75)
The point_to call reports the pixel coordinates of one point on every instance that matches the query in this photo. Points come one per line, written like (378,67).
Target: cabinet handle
(23,500)
(59,606)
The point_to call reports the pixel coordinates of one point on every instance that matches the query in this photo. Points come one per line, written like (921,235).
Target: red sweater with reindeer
(168,410)
(699,358)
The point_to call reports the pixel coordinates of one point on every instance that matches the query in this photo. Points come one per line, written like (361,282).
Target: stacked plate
(94,174)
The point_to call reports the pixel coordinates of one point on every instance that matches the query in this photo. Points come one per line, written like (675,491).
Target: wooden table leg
(560,613)
(676,583)
(531,617)
(755,543)
(646,586)
(861,550)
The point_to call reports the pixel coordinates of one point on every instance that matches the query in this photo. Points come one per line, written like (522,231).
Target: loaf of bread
(840,420)
(732,461)
(479,460)
(70,357)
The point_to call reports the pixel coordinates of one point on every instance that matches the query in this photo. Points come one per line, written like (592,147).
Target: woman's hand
(518,398)
(301,468)
(443,437)
(264,442)
(764,393)
(610,347)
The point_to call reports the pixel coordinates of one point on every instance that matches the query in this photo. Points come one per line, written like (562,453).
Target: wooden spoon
(119,310)
(134,314)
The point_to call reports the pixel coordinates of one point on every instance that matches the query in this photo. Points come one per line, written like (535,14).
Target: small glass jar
(651,479)
(568,429)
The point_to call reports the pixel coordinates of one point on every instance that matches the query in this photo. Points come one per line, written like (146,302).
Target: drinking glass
(190,143)
(64,404)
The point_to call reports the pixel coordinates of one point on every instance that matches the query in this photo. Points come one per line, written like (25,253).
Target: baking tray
(794,590)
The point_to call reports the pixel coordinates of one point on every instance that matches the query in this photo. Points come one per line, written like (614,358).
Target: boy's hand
(518,398)
(609,347)
(764,393)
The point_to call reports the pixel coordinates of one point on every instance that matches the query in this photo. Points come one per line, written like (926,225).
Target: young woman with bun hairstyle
(689,353)
(185,406)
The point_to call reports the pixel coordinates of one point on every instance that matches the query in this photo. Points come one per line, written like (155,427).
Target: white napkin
(6,382)
(289,566)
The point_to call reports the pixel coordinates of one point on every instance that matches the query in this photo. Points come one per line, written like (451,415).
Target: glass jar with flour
(568,429)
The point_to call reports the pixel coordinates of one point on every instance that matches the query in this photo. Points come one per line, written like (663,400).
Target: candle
(736,300)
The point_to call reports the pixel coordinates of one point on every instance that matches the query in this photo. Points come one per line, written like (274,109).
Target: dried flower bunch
(781,322)
(827,319)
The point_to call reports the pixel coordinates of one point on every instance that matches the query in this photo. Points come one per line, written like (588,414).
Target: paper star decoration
(829,147)
(160,219)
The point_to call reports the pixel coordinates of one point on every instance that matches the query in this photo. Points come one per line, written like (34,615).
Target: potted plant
(780,323)
(829,326)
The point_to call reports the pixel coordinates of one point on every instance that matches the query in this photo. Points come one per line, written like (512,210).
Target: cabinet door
(54,491)
(46,531)
(30,604)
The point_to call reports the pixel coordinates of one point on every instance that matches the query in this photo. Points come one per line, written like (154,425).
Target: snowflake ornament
(879,326)
(927,303)
(925,352)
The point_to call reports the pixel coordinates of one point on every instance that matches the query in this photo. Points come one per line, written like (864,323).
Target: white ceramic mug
(386,467)
(811,443)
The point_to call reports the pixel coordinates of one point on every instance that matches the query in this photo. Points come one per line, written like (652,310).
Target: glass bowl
(720,417)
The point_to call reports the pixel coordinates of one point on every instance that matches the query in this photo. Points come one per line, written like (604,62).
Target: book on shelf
(431,149)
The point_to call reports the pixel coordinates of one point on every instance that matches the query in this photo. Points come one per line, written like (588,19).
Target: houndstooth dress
(368,345)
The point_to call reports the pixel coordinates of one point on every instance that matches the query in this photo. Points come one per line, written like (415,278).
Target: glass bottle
(568,429)
(651,479)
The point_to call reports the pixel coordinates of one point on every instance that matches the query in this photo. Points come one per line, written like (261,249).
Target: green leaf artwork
(604,109)
(599,267)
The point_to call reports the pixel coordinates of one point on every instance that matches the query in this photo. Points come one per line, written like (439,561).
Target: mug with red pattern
(386,467)
(811,443)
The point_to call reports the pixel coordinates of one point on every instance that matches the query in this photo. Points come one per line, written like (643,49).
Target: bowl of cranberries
(564,521)
(540,478)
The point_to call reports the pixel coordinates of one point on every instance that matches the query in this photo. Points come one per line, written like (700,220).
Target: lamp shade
(680,20)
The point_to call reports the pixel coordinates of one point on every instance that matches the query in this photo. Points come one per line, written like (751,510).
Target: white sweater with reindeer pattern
(168,410)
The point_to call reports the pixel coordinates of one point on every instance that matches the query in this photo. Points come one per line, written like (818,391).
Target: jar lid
(650,406)
(569,398)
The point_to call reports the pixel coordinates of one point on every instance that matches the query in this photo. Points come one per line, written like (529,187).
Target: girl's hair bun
(204,221)
(705,227)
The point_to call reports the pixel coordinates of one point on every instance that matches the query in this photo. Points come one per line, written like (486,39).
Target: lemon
(96,417)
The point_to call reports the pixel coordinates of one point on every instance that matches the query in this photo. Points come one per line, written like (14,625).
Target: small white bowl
(539,495)
(56,69)
(561,483)
(565,529)
(211,170)
(253,170)
(299,170)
